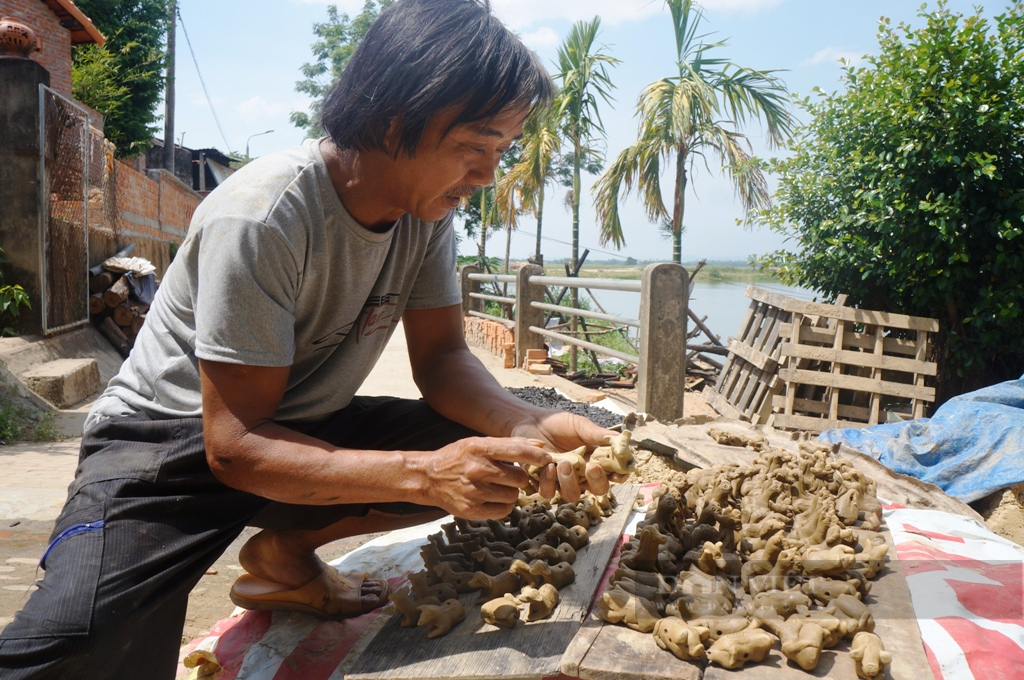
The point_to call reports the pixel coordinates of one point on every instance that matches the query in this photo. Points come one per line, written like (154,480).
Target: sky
(249,55)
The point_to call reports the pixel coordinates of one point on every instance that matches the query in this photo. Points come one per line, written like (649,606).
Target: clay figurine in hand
(408,606)
(736,649)
(575,459)
(440,618)
(492,587)
(501,611)
(869,656)
(617,606)
(617,457)
(540,601)
(684,640)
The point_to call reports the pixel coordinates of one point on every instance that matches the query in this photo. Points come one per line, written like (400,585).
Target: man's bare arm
(248,451)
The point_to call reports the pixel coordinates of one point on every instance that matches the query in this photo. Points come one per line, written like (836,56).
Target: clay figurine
(617,606)
(575,459)
(559,575)
(440,618)
(540,601)
(501,611)
(645,556)
(456,579)
(683,639)
(824,590)
(721,625)
(616,456)
(408,606)
(736,649)
(802,640)
(422,586)
(869,656)
(492,587)
(577,537)
(860,619)
(490,563)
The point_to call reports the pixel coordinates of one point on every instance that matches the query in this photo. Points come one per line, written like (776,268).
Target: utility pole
(172,20)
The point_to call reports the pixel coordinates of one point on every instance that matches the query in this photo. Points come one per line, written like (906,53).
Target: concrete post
(468,287)
(526,314)
(20,215)
(664,298)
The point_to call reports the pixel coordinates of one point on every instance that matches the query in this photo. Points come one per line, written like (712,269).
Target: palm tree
(681,120)
(583,72)
(524,184)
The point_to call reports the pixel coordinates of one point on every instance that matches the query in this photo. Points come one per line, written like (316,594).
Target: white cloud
(540,39)
(831,55)
(523,13)
(257,107)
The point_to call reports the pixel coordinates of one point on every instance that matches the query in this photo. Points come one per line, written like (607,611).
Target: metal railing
(661,324)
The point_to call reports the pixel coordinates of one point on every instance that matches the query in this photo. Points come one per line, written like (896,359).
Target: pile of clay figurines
(732,560)
(518,563)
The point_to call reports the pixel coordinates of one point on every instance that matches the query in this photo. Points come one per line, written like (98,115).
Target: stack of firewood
(117,313)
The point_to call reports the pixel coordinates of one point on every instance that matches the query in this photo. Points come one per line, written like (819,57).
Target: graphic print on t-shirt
(377,314)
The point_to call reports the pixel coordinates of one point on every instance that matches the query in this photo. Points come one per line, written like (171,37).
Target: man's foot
(277,558)
(331,595)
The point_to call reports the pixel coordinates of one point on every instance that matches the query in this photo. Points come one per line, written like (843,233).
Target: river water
(723,303)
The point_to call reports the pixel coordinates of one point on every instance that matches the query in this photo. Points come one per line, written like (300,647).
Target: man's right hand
(477,478)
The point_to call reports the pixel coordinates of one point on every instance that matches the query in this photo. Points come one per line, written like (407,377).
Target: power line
(227,147)
(567,243)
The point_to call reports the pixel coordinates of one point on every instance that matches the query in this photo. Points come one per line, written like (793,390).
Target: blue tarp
(972,446)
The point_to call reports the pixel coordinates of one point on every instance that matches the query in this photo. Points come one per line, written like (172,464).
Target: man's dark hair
(421,56)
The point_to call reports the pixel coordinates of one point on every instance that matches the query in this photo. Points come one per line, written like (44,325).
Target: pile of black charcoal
(549,398)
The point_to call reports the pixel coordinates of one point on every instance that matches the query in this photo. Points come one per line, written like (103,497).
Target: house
(202,169)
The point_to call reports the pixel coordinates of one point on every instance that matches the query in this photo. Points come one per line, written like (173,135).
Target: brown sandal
(331,595)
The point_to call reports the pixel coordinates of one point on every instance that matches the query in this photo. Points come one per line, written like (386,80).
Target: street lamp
(250,137)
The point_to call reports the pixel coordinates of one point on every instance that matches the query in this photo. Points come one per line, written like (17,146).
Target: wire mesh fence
(65,238)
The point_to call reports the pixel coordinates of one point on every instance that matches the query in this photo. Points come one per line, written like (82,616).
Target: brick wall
(53,39)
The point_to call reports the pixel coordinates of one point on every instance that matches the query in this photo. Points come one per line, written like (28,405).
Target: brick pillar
(664,298)
(527,315)
(468,287)
(20,218)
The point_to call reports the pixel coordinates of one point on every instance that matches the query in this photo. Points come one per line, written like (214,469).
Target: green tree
(337,40)
(681,121)
(583,74)
(134,59)
(906,190)
(523,186)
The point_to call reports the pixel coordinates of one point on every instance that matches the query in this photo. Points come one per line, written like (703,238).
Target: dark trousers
(145,518)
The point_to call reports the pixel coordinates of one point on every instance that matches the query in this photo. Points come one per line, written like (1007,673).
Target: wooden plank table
(612,652)
(474,650)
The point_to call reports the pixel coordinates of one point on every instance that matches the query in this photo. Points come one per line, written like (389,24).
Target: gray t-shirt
(275,272)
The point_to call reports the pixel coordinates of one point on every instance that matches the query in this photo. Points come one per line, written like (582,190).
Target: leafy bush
(12,299)
(19,423)
(906,190)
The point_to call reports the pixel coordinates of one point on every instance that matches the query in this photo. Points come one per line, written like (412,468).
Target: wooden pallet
(852,369)
(749,377)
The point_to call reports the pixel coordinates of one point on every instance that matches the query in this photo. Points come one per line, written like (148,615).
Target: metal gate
(64,195)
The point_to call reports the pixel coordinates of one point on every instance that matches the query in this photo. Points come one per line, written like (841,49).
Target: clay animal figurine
(645,557)
(456,579)
(802,640)
(575,459)
(683,639)
(492,587)
(872,560)
(559,575)
(832,562)
(835,628)
(568,515)
(860,619)
(617,456)
(617,606)
(423,587)
(736,649)
(824,590)
(408,606)
(439,619)
(577,537)
(501,611)
(869,656)
(490,563)
(721,625)
(540,601)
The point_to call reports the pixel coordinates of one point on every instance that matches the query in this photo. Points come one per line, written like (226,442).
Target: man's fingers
(597,479)
(548,481)
(568,485)
(522,451)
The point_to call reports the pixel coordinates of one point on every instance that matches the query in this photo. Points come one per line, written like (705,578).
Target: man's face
(447,168)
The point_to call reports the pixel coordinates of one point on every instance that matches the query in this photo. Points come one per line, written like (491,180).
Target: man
(236,406)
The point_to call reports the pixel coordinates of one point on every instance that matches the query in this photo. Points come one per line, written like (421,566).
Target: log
(124,314)
(96,305)
(137,323)
(100,282)
(115,335)
(117,293)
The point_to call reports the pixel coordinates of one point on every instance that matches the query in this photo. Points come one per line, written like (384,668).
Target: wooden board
(475,650)
(619,653)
